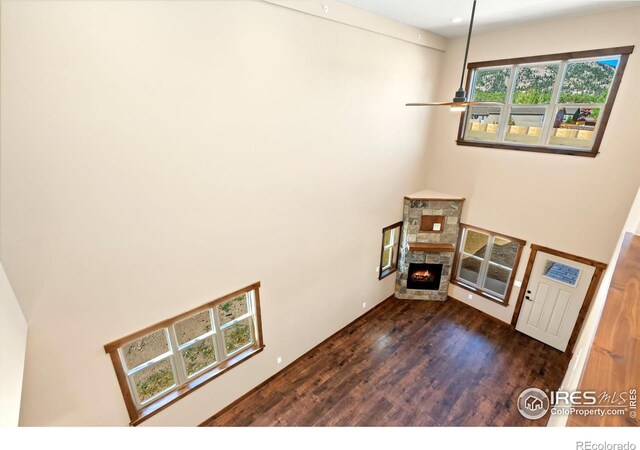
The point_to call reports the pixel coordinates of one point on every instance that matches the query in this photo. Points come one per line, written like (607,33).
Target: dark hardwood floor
(407,363)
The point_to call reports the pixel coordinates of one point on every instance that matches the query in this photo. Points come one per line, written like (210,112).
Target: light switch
(517,283)
(437,226)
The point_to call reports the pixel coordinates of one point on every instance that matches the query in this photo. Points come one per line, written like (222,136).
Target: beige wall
(156,155)
(573,204)
(13,342)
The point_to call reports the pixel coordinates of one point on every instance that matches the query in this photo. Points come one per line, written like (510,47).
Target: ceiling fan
(460,101)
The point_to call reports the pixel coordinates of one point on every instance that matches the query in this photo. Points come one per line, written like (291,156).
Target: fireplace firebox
(424,276)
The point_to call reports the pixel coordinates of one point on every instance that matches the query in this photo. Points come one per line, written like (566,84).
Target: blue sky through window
(609,62)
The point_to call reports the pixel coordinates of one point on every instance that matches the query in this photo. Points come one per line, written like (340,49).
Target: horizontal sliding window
(555,103)
(164,362)
(486,262)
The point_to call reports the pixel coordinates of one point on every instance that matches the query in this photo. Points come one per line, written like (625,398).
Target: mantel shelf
(430,248)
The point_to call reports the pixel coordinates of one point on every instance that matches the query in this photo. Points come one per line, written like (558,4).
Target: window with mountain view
(556,103)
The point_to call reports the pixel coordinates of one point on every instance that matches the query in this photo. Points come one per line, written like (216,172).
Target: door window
(562,273)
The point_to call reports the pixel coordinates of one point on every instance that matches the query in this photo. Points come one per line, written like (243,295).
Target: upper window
(389,251)
(556,103)
(162,363)
(486,262)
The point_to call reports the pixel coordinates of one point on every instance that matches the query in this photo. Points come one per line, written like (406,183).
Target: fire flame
(424,274)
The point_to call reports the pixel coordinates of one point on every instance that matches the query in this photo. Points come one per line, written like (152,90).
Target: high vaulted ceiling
(436,15)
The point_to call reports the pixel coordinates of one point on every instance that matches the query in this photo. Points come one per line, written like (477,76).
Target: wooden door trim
(580,259)
(588,298)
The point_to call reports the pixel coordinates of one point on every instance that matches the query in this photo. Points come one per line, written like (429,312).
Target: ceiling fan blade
(456,104)
(431,104)
(484,104)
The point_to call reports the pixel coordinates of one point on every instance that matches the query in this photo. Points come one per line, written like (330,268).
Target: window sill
(387,272)
(186,389)
(529,148)
(481,293)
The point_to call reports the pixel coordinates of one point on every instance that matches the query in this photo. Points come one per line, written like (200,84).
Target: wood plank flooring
(614,359)
(407,363)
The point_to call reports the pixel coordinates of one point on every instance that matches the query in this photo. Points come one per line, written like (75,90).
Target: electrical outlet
(470,296)
(279,360)
(364,304)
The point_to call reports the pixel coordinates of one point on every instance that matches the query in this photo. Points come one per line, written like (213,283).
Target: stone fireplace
(431,222)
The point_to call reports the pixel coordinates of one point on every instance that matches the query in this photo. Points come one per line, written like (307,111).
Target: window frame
(385,271)
(184,384)
(562,59)
(180,348)
(484,266)
(131,372)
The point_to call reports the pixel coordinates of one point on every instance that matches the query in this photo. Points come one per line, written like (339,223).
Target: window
(555,103)
(389,252)
(162,363)
(486,262)
(562,273)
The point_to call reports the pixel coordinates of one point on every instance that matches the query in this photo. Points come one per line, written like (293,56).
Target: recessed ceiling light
(456,20)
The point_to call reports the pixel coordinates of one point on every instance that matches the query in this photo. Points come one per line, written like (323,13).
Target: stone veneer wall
(412,215)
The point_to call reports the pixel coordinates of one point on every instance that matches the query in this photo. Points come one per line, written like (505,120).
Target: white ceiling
(436,15)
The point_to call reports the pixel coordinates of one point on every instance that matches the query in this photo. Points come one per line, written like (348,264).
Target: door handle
(528,292)
(528,298)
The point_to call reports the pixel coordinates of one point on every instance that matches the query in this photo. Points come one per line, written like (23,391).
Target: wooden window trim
(138,416)
(385,273)
(624,53)
(479,291)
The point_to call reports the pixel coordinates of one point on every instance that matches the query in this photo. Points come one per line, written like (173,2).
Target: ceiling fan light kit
(461,96)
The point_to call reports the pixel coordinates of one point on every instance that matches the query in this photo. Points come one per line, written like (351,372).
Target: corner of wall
(13,342)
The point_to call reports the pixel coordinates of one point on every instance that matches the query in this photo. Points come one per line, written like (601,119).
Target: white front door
(554,295)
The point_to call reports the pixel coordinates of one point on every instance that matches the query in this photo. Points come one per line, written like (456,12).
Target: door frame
(588,298)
